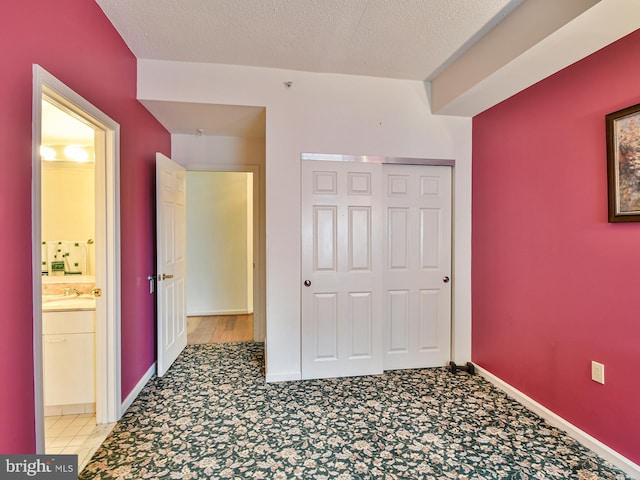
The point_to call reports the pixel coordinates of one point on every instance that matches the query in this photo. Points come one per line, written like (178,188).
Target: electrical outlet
(597,372)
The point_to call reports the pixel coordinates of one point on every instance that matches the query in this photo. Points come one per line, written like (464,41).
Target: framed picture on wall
(623,164)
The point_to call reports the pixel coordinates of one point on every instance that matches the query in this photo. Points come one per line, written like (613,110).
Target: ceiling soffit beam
(525,27)
(539,38)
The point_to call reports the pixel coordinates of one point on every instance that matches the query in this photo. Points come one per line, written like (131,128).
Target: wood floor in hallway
(219,329)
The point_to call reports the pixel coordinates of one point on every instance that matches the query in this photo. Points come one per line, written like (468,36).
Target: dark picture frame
(623,164)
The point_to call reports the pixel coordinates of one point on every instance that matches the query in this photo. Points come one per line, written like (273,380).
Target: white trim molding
(126,403)
(332,157)
(108,366)
(623,463)
(219,312)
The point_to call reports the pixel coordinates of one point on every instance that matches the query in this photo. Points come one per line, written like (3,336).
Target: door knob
(307,283)
(445,279)
(164,275)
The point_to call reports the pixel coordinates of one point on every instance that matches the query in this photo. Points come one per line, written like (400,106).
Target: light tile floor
(75,435)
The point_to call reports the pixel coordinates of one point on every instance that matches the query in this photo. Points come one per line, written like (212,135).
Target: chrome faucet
(69,291)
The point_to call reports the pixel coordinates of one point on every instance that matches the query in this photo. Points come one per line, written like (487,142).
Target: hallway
(219,329)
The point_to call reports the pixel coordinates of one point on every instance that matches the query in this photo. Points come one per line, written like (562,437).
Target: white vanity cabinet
(69,357)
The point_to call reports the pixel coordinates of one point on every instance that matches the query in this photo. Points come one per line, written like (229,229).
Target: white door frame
(108,361)
(259,290)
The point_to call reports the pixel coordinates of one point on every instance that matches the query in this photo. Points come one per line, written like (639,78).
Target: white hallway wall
(325,113)
(218,233)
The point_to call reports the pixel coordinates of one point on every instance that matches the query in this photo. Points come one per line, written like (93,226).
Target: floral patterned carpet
(212,416)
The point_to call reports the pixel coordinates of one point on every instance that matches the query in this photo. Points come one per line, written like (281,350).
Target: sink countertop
(56,303)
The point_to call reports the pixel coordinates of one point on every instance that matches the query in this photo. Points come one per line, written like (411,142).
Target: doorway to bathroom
(75,224)
(68,278)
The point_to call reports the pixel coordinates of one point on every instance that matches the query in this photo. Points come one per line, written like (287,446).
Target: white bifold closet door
(417,266)
(341,265)
(376,257)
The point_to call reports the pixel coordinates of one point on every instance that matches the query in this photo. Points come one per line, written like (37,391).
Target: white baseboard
(283,377)
(219,312)
(623,463)
(126,403)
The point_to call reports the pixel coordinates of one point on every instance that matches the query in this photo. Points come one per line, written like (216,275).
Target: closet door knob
(445,279)
(307,283)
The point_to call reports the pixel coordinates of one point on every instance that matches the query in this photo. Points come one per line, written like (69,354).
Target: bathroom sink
(68,302)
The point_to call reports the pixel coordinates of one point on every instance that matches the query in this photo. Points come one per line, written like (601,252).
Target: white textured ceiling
(409,39)
(208,119)
(434,40)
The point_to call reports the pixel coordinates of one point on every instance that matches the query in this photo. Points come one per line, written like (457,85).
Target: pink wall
(74,41)
(554,285)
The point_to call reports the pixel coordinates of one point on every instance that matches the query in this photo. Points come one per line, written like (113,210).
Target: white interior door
(417,266)
(341,266)
(171,261)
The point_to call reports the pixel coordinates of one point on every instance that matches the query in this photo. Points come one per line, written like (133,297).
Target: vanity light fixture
(76,153)
(69,153)
(47,153)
